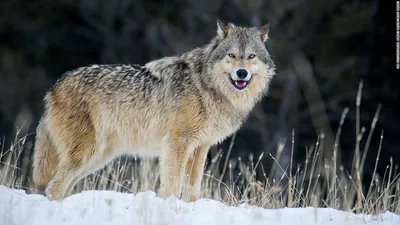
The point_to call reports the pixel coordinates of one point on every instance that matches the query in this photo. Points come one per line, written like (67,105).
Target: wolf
(174,108)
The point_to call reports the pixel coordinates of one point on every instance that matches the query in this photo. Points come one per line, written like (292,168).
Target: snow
(108,207)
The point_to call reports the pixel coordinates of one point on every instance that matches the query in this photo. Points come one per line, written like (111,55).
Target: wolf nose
(241,73)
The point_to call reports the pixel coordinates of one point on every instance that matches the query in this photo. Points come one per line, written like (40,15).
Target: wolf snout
(240,79)
(241,73)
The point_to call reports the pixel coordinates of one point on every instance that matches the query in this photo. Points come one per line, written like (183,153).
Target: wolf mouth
(240,84)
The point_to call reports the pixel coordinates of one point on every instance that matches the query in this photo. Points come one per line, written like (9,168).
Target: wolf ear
(222,29)
(263,31)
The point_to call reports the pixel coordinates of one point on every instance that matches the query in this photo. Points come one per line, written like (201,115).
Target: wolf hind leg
(96,164)
(77,178)
(45,158)
(56,189)
(78,151)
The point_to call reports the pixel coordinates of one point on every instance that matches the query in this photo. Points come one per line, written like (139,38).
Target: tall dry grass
(317,183)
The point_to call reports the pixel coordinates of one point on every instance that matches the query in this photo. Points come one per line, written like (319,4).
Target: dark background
(322,49)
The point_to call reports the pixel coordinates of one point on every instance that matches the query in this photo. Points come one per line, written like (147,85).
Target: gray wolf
(173,108)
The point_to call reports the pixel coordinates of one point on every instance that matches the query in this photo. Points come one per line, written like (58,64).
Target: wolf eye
(231,55)
(251,56)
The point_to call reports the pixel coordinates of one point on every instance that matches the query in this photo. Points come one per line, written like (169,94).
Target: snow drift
(108,207)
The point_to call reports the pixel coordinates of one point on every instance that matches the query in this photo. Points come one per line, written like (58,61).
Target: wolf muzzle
(240,78)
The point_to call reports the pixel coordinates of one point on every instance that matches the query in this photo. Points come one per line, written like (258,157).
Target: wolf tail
(45,158)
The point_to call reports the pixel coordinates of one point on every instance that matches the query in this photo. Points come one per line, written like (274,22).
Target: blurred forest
(322,49)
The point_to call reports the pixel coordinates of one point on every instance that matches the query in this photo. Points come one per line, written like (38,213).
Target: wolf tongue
(240,83)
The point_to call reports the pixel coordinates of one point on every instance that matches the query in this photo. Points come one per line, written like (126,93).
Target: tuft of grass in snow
(316,183)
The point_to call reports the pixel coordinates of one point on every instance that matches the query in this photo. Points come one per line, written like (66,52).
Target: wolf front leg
(194,173)
(172,165)
(184,137)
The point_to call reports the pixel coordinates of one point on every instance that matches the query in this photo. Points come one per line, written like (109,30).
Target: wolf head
(239,61)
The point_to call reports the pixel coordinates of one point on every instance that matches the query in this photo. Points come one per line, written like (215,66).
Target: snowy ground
(107,207)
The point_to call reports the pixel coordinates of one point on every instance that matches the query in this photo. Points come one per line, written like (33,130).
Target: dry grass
(317,183)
